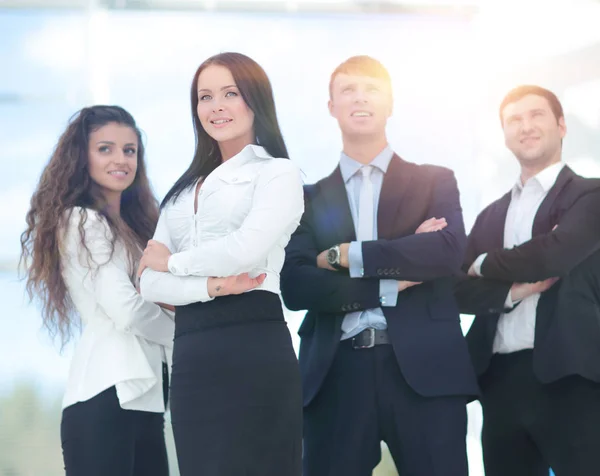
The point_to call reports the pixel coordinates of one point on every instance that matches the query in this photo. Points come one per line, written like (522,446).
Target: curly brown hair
(65,183)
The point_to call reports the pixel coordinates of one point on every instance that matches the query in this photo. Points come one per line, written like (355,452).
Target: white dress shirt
(516,329)
(248,208)
(125,339)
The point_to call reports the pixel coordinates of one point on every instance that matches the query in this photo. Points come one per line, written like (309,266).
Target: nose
(120,158)
(527,125)
(217,106)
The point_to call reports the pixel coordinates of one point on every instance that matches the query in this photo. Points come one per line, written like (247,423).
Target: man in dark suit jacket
(535,289)
(382,353)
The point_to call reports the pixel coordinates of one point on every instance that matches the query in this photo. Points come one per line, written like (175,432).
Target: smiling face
(532,132)
(361,104)
(112,158)
(222,111)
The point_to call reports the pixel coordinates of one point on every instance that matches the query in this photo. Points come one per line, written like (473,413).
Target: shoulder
(435,172)
(279,169)
(89,219)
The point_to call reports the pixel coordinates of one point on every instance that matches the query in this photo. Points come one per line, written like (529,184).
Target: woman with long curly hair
(235,395)
(90,218)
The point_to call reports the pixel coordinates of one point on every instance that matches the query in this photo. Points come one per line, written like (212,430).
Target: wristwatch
(333,257)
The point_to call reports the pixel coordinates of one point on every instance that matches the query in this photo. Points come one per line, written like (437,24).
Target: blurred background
(451,63)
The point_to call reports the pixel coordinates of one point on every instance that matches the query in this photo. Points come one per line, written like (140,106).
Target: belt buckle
(371,340)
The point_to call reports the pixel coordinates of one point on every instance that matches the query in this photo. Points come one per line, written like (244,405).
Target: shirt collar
(545,179)
(349,166)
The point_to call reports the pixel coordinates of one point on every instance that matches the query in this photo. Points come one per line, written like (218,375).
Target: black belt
(370,338)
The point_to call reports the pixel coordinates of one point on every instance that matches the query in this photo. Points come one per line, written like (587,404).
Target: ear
(562,127)
(330,107)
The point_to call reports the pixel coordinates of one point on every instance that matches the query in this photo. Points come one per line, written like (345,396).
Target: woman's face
(112,158)
(222,111)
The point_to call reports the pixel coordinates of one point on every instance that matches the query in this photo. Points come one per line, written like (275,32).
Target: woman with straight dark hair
(91,215)
(235,393)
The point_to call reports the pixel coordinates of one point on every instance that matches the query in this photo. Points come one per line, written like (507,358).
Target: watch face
(332,256)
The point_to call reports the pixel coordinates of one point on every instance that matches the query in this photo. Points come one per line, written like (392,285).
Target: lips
(118,173)
(361,114)
(220,121)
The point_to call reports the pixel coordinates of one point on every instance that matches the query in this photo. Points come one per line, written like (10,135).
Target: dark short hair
(363,66)
(520,92)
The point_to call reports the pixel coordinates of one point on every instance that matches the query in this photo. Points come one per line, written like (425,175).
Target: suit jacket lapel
(497,224)
(338,216)
(543,218)
(395,185)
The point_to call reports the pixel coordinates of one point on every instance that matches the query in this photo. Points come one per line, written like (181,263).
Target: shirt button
(185,270)
(173,270)
(234,179)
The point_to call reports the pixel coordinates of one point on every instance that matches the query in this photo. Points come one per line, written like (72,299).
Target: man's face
(531,130)
(361,104)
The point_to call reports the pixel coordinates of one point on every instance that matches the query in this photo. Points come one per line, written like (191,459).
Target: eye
(104,149)
(130,151)
(205,97)
(348,89)
(230,94)
(372,89)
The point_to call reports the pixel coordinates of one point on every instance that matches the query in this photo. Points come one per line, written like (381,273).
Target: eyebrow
(222,89)
(112,143)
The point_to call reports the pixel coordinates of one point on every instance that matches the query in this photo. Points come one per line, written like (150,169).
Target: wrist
(344,261)
(216,287)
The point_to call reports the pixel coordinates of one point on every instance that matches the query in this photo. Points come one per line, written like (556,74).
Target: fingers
(432,224)
(141,267)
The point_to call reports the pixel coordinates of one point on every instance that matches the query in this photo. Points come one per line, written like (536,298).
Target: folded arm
(575,238)
(423,256)
(306,286)
(276,210)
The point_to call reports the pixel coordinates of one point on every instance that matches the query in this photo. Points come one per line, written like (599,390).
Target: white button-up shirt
(125,339)
(516,329)
(248,208)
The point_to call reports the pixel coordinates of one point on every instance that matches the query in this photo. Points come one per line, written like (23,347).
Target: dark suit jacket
(424,326)
(567,332)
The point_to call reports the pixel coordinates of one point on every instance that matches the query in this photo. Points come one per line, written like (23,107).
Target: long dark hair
(65,183)
(255,88)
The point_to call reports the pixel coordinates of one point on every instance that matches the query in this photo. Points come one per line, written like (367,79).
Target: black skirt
(236,404)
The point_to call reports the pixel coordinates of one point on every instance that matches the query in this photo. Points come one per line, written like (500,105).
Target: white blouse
(125,339)
(248,208)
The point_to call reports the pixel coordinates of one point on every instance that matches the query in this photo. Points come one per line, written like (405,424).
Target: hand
(156,256)
(520,291)
(402,285)
(233,284)
(168,307)
(433,224)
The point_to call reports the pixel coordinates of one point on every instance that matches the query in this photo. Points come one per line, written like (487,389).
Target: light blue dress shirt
(388,288)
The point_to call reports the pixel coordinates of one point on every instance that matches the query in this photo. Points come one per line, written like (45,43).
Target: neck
(529,170)
(233,147)
(113,204)
(363,149)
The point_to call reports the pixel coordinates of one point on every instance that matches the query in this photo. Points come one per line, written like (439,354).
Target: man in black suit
(382,353)
(534,286)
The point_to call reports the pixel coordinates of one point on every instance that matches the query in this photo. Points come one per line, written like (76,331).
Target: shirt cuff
(477,264)
(176,266)
(355,260)
(388,292)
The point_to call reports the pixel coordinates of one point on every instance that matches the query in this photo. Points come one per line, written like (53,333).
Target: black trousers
(529,427)
(364,400)
(99,438)
(236,405)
